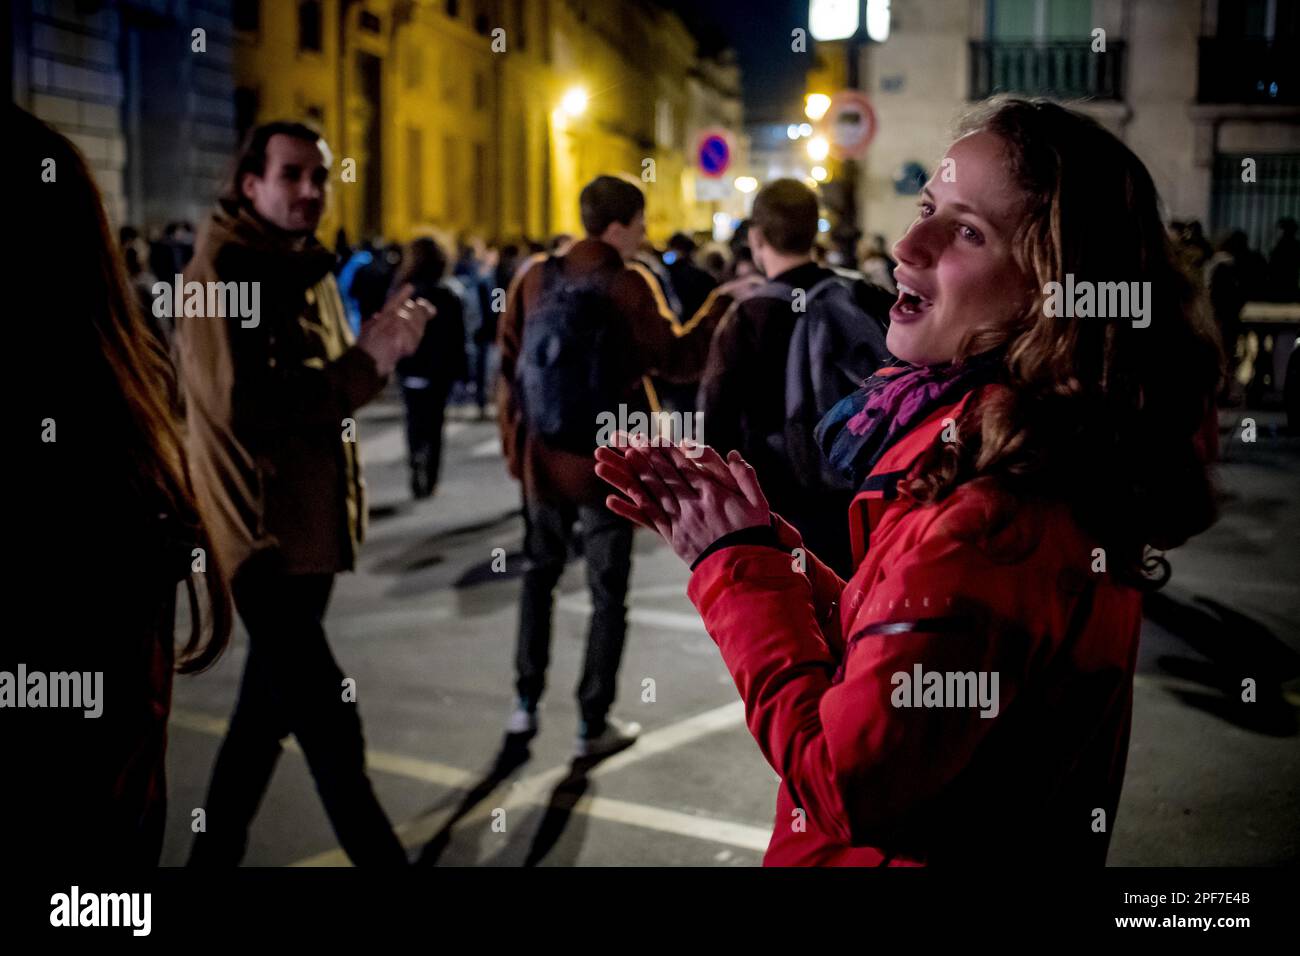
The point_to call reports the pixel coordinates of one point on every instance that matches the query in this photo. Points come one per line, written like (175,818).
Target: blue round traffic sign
(714,154)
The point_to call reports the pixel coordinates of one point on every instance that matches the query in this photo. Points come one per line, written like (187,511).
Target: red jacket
(824,666)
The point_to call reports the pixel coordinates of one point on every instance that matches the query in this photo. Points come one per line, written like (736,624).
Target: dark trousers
(291,685)
(425,411)
(607,549)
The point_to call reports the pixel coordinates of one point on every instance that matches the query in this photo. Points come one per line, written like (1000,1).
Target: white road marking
(536,789)
(489,448)
(688,621)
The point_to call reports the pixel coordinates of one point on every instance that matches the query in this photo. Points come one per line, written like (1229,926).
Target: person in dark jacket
(439,361)
(965,697)
(560,487)
(272,436)
(743,389)
(108,526)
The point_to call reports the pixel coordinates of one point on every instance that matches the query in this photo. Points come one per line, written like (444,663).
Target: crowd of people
(906,462)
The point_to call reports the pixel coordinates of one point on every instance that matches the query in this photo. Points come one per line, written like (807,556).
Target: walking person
(580,333)
(271,436)
(1012,469)
(784,353)
(428,374)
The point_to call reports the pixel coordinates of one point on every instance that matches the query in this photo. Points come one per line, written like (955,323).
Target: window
(481,22)
(309,26)
(414,66)
(451,179)
(663,122)
(370,22)
(1040,19)
(1260,19)
(246,15)
(449,79)
(415,172)
(453,8)
(1044,48)
(1252,56)
(1254,208)
(480,174)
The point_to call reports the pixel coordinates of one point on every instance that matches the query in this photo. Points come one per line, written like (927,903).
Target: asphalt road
(426,628)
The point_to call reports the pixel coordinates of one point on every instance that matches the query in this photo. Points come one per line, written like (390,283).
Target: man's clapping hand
(395,331)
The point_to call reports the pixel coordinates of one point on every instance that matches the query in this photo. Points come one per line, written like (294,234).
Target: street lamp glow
(746,184)
(792,131)
(819,173)
(818,148)
(805,129)
(834,19)
(815,106)
(574,102)
(878,20)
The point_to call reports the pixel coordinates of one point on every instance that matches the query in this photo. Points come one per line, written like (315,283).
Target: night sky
(759,30)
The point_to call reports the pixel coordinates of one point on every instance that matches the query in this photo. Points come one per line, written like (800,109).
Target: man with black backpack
(783,354)
(580,333)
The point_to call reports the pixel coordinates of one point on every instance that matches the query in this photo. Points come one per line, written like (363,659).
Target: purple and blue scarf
(861,427)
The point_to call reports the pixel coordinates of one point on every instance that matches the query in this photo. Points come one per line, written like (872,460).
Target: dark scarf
(243,245)
(861,427)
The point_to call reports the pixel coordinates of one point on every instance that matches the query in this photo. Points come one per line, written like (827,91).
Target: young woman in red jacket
(966,695)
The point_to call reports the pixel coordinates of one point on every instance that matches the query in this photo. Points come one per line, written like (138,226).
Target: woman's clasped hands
(687,493)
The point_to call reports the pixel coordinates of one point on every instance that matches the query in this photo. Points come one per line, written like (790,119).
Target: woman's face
(955,266)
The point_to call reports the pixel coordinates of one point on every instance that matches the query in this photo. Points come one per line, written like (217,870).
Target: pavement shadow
(514,754)
(432,550)
(377,513)
(562,831)
(1234,647)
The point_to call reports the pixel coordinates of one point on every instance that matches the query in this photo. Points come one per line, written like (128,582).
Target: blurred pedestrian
(743,265)
(1227,278)
(374,280)
(357,260)
(427,374)
(106,525)
(1196,249)
(272,435)
(474,273)
(691,284)
(1284,263)
(878,266)
(715,264)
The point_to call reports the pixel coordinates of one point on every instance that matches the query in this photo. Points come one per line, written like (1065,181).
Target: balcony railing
(1060,69)
(1249,70)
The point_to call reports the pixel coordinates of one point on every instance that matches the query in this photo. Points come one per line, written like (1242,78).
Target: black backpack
(568,370)
(838,341)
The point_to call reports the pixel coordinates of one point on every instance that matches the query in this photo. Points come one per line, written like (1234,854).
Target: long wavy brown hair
(129,381)
(1112,419)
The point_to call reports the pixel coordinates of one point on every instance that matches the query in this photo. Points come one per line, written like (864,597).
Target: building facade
(478,117)
(1194,87)
(142,87)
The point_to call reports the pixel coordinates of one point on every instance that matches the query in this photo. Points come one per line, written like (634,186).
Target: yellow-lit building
(486,116)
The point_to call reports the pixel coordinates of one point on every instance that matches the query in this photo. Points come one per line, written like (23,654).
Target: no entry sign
(850,124)
(713,152)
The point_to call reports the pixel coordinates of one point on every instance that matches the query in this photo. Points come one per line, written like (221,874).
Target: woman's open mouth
(910,304)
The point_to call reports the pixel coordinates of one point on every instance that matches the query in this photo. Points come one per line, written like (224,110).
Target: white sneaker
(521,721)
(618,735)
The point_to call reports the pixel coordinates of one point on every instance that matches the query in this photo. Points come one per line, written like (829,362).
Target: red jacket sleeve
(855,762)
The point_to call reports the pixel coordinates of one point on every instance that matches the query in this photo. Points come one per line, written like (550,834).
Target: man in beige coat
(271,395)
